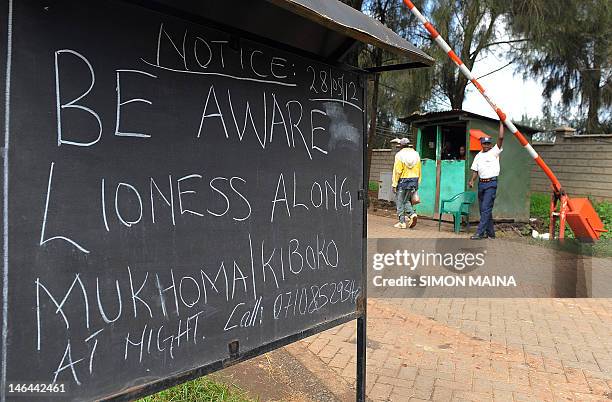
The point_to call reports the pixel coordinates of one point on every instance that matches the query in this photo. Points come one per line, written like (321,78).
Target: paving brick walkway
(473,349)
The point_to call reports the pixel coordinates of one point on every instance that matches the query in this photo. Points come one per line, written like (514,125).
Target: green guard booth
(447,143)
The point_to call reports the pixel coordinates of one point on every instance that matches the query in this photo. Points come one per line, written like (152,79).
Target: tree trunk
(593,91)
(352,58)
(592,123)
(456,100)
(356,4)
(457,95)
(372,129)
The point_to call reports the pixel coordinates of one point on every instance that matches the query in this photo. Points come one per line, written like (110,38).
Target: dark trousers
(486,198)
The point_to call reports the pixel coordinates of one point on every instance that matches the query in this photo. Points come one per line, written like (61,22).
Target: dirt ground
(508,230)
(281,376)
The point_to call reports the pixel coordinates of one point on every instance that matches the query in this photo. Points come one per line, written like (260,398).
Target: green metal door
(427,188)
(452,178)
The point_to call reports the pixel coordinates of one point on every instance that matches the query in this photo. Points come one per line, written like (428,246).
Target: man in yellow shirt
(406,179)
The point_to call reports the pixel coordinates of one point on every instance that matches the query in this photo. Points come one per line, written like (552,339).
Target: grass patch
(539,207)
(199,390)
(373,186)
(604,210)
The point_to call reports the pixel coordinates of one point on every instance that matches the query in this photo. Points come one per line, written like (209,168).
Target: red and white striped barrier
(468,74)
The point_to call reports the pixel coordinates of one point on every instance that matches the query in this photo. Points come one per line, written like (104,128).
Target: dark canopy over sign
(327,29)
(174,197)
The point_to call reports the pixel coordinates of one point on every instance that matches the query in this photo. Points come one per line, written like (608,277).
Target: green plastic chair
(457,206)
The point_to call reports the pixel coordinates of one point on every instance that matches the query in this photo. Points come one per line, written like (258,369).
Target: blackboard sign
(173,197)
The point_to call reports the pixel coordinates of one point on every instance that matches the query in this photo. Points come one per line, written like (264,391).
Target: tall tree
(387,102)
(469,27)
(570,50)
(380,9)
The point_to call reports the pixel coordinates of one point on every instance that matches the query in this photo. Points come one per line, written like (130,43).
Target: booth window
(453,142)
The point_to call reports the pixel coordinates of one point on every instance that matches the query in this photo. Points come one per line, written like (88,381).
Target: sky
(507,88)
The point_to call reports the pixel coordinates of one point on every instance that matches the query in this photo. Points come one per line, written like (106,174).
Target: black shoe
(491,236)
(478,237)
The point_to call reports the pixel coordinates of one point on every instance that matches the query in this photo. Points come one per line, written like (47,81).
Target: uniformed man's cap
(484,140)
